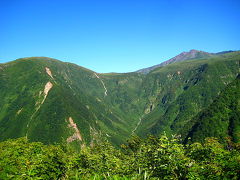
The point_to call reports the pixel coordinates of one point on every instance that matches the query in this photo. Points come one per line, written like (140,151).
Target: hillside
(222,116)
(177,92)
(45,99)
(51,101)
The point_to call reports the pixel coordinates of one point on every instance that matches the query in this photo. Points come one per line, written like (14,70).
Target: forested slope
(51,101)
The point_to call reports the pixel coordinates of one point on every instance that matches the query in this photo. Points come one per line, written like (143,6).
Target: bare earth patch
(47,88)
(76,135)
(48,71)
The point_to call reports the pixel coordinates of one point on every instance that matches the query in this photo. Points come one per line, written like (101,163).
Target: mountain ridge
(192,54)
(80,105)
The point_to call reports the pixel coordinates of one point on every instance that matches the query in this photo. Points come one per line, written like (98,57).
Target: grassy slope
(179,91)
(164,100)
(221,119)
(76,93)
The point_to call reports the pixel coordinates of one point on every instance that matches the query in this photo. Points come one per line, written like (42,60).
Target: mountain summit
(192,54)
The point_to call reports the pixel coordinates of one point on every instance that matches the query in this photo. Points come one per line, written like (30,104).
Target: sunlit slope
(40,95)
(221,119)
(177,92)
(51,101)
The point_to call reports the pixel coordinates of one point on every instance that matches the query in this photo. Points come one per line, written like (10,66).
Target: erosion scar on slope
(47,88)
(76,135)
(139,122)
(105,93)
(48,71)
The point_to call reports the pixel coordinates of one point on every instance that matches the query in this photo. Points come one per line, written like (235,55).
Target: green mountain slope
(51,101)
(177,92)
(221,119)
(75,93)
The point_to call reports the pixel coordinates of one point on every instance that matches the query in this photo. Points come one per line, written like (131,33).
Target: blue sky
(116,35)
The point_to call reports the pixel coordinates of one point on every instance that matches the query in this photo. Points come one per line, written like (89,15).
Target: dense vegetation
(222,116)
(178,92)
(150,158)
(113,105)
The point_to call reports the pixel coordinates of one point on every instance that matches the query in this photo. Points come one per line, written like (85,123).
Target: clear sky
(116,35)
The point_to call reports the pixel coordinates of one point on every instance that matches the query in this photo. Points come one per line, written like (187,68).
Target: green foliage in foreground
(151,158)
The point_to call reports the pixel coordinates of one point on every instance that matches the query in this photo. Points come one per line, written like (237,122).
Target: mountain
(51,101)
(177,92)
(192,54)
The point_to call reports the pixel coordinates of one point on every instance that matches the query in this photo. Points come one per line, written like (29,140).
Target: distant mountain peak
(192,54)
(194,50)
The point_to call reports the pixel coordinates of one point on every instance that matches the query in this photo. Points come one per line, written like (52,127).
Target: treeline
(150,158)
